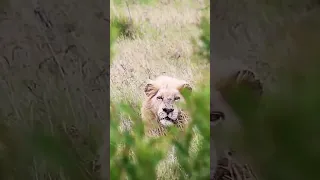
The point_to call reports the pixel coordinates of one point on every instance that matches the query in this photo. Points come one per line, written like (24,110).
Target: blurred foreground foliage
(140,156)
(148,152)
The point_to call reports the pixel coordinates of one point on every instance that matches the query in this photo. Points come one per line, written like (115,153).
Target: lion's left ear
(185,87)
(150,89)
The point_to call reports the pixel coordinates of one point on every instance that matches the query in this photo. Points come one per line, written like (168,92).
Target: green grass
(125,27)
(144,158)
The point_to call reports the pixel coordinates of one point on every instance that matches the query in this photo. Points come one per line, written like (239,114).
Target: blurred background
(53,88)
(278,40)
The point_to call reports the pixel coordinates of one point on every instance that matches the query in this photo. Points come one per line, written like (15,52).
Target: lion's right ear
(186,88)
(150,89)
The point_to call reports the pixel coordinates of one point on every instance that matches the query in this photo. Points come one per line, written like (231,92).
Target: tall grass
(141,158)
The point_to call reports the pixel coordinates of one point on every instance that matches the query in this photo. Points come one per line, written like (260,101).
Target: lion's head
(162,96)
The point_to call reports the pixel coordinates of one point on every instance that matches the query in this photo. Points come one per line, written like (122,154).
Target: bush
(202,44)
(126,27)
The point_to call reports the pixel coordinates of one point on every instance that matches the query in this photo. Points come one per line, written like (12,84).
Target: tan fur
(163,92)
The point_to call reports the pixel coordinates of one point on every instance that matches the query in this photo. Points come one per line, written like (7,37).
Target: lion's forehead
(168,92)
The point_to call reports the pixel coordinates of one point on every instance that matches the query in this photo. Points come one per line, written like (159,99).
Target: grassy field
(278,139)
(156,39)
(162,47)
(53,86)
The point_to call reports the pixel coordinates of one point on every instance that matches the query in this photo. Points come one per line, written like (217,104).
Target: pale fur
(165,87)
(151,108)
(231,125)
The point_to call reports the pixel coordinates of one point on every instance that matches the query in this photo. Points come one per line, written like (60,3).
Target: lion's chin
(166,123)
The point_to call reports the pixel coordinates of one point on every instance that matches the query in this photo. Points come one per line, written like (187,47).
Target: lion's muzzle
(168,115)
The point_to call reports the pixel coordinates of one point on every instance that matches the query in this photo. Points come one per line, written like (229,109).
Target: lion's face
(164,100)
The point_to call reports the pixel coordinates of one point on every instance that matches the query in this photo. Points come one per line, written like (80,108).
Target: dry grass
(161,46)
(164,47)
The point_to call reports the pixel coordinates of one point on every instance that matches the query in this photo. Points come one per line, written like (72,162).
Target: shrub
(126,27)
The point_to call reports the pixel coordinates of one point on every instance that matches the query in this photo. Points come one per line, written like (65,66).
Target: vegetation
(54,92)
(147,158)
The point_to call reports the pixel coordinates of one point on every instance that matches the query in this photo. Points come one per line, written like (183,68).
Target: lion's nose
(167,110)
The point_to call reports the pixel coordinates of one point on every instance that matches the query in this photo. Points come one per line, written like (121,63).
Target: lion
(224,88)
(159,109)
(224,164)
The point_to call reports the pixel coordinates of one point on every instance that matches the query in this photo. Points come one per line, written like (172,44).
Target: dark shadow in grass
(126,27)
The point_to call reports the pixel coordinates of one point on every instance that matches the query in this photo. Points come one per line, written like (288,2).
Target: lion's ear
(186,87)
(150,89)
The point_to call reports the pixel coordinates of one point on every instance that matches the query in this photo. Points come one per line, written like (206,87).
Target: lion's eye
(176,98)
(217,115)
(159,97)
